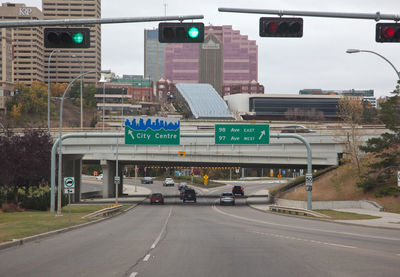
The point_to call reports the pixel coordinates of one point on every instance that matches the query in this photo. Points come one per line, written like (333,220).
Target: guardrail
(295,211)
(105,211)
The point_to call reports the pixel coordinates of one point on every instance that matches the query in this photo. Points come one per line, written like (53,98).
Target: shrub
(10,207)
(388,191)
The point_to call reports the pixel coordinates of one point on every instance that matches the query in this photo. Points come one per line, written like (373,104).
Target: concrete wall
(329,205)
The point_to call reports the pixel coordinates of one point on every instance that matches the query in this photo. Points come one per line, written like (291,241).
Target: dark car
(156,198)
(238,190)
(147,180)
(182,191)
(182,185)
(227,198)
(189,195)
(296,129)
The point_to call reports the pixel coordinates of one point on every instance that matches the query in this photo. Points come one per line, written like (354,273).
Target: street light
(48,89)
(352,51)
(103,80)
(60,135)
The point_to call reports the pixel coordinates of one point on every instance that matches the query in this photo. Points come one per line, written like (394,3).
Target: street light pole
(60,136)
(352,51)
(80,62)
(81,98)
(48,89)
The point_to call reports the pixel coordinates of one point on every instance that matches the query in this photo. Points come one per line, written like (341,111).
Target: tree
(385,148)
(350,111)
(26,160)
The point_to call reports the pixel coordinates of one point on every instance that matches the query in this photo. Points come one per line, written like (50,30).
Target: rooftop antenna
(165,8)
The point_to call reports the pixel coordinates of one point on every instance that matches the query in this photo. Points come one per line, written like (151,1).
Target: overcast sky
(317,60)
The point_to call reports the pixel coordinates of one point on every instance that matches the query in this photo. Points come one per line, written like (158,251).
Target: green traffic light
(77,38)
(193,32)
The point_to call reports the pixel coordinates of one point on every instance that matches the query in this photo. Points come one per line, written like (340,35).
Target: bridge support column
(72,167)
(109,168)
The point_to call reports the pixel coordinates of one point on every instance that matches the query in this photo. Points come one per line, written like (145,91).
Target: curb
(325,220)
(21,241)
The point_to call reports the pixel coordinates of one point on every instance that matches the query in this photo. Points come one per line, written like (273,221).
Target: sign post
(241,134)
(69,188)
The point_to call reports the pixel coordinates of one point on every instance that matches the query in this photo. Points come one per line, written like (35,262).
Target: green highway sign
(152,131)
(241,134)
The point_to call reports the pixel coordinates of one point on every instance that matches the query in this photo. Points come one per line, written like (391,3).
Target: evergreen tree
(386,147)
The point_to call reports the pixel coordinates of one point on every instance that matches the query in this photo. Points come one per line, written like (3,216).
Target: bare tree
(350,111)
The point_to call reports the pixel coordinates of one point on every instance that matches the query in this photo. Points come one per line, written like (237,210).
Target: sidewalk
(386,220)
(134,195)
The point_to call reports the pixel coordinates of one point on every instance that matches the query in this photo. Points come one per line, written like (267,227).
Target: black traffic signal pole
(70,22)
(375,16)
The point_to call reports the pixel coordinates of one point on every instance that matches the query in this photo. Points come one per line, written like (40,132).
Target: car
(182,191)
(182,185)
(189,195)
(238,190)
(99,177)
(227,198)
(156,198)
(147,180)
(296,129)
(168,182)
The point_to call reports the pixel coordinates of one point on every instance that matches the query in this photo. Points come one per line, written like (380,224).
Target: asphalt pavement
(206,239)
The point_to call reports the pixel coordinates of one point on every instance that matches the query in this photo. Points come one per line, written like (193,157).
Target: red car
(156,198)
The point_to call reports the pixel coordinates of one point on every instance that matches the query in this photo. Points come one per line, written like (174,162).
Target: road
(205,239)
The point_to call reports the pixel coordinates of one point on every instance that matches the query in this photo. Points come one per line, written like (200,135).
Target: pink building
(225,59)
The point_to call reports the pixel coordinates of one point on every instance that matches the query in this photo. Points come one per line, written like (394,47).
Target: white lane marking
(306,240)
(133,274)
(303,228)
(146,258)
(162,230)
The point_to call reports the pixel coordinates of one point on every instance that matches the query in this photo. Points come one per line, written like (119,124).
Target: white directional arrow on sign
(262,134)
(131,134)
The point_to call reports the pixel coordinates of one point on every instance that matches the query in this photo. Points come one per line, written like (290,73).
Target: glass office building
(153,56)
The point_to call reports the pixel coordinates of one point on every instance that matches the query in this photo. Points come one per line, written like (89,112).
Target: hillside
(340,184)
(71,116)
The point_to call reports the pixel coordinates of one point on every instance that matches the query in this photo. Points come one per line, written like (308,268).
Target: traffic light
(281,27)
(174,32)
(66,38)
(387,32)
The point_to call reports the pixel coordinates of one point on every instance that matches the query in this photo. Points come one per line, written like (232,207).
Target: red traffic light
(281,27)
(387,32)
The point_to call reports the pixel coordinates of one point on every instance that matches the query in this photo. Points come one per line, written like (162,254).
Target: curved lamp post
(352,51)
(48,89)
(60,135)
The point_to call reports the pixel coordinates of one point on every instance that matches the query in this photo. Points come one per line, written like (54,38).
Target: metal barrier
(104,212)
(295,211)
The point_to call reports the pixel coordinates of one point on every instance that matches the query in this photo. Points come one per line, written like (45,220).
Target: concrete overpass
(199,149)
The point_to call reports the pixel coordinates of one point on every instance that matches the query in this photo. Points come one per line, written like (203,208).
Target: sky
(285,65)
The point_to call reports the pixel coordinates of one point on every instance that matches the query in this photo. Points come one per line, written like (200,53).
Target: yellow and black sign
(181,153)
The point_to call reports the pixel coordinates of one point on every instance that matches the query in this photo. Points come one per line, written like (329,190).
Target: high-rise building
(23,61)
(225,59)
(69,63)
(6,69)
(153,56)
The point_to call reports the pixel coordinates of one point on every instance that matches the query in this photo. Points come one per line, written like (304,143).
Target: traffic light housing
(174,32)
(281,27)
(387,32)
(66,37)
